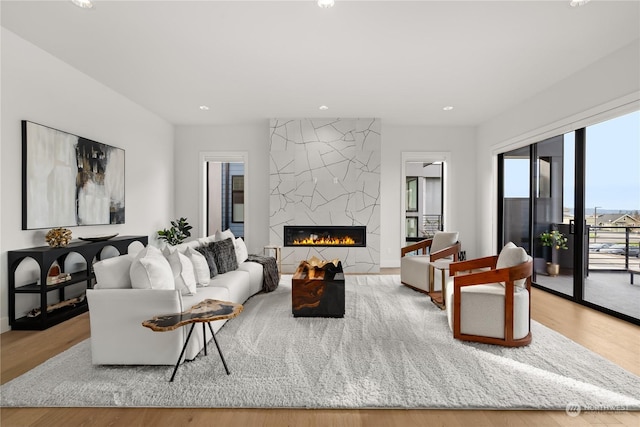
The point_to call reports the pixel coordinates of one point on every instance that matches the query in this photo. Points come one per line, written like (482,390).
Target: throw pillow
(510,256)
(151,270)
(241,251)
(113,273)
(182,268)
(223,235)
(207,253)
(204,241)
(200,266)
(224,253)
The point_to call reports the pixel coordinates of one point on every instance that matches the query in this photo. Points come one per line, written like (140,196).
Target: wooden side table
(277,255)
(318,291)
(204,312)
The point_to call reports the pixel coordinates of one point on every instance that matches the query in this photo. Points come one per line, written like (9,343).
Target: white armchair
(492,303)
(419,271)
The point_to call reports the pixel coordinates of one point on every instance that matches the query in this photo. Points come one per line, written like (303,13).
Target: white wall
(459,142)
(607,88)
(39,87)
(253,138)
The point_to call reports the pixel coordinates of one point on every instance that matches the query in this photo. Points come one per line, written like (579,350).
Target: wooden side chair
(418,271)
(492,303)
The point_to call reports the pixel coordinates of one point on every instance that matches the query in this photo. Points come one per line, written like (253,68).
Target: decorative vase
(58,237)
(553,269)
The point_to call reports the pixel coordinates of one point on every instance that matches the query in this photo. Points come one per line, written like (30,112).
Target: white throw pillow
(182,268)
(113,273)
(182,247)
(200,267)
(223,235)
(241,250)
(204,241)
(510,256)
(151,270)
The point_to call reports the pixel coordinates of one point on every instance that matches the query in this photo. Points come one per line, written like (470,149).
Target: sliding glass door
(515,189)
(554,214)
(573,202)
(612,205)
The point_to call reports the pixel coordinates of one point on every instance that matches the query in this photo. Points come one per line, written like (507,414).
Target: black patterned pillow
(224,252)
(207,252)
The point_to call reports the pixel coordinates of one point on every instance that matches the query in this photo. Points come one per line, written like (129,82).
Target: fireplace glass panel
(319,235)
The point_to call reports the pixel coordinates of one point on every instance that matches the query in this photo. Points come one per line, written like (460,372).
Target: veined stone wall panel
(326,172)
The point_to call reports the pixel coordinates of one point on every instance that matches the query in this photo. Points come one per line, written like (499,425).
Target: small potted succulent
(556,241)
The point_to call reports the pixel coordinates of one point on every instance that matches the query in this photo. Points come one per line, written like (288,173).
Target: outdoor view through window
(611,185)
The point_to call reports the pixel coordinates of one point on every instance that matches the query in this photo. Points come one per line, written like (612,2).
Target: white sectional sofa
(119,303)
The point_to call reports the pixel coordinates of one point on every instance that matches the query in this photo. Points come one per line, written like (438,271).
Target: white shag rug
(393,349)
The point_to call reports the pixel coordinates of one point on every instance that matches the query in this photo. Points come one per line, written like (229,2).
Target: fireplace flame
(325,241)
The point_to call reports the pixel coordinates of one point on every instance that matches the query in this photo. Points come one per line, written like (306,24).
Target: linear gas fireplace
(323,235)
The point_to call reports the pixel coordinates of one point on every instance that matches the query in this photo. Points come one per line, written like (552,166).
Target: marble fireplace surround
(326,172)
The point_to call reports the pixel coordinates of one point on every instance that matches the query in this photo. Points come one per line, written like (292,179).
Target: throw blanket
(270,271)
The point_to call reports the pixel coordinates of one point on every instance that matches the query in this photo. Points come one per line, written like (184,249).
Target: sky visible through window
(613,167)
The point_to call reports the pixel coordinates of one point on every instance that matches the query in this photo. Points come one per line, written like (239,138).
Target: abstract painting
(68,180)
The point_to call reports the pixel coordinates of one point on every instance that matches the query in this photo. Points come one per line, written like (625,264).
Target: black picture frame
(68,180)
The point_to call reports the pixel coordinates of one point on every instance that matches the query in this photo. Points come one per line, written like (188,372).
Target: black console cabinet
(45,256)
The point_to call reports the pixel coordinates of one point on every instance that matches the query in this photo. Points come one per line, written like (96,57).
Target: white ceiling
(401,61)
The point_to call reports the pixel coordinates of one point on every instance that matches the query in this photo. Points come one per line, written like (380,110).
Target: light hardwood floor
(613,339)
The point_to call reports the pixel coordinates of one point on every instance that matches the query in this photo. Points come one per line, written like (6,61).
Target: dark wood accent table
(318,290)
(204,312)
(46,256)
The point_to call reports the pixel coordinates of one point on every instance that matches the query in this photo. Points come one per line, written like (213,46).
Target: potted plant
(177,233)
(556,241)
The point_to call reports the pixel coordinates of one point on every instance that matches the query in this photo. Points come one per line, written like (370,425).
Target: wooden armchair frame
(507,275)
(421,247)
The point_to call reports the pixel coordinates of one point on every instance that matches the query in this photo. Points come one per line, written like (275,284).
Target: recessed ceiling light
(324,107)
(326,3)
(447,108)
(204,108)
(85,4)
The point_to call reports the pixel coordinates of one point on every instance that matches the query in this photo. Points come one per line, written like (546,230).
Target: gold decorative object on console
(58,237)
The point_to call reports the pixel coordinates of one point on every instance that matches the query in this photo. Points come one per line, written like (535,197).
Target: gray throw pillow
(207,252)
(224,253)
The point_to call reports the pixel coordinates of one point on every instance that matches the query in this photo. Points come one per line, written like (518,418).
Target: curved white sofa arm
(117,334)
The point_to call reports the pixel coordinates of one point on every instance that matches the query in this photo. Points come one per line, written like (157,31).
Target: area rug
(393,349)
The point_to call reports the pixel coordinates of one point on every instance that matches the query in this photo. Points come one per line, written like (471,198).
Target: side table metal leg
(184,348)
(204,338)
(219,352)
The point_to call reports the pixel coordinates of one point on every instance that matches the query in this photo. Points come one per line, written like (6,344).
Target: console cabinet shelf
(46,256)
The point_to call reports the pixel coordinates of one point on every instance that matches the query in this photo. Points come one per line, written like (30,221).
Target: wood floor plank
(612,338)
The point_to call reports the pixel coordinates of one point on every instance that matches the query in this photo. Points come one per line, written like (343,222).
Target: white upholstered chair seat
(477,301)
(417,271)
(489,299)
(414,271)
